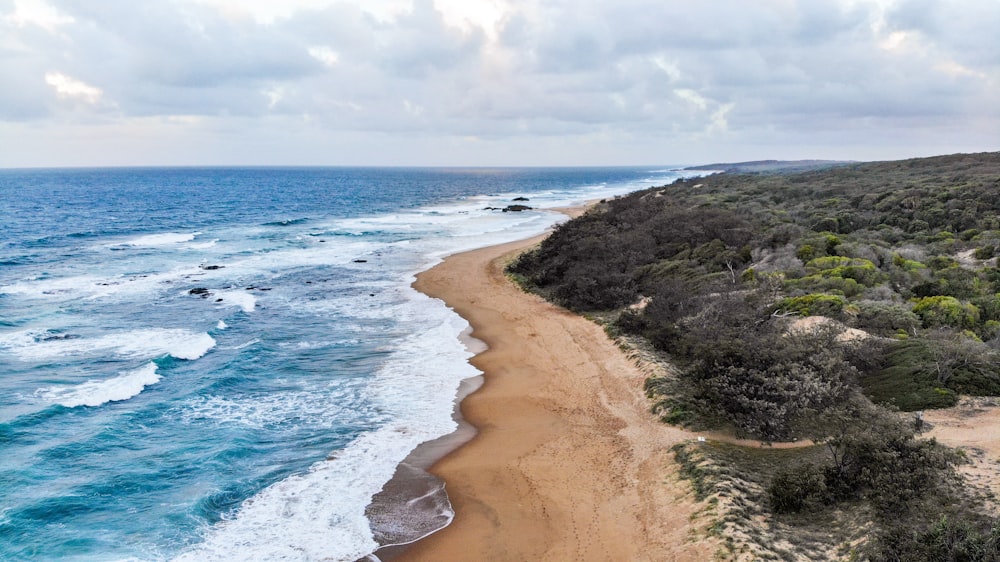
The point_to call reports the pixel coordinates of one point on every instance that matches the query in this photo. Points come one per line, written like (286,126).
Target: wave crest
(95,393)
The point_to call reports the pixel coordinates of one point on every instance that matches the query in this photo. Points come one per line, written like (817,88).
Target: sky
(494,82)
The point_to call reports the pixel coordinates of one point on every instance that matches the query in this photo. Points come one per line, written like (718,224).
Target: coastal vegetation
(831,305)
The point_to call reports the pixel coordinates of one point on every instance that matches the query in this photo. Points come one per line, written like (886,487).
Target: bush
(949,539)
(797,489)
(963,363)
(905,264)
(764,381)
(907,382)
(816,304)
(989,307)
(806,252)
(929,371)
(835,285)
(877,457)
(985,253)
(830,262)
(885,319)
(859,269)
(946,311)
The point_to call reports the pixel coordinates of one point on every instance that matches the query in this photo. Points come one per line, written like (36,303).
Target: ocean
(228,363)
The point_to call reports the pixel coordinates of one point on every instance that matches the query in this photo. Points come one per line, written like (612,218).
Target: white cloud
(71,88)
(271,11)
(485,15)
(37,13)
(719,123)
(274,96)
(894,41)
(412,108)
(667,66)
(692,97)
(325,55)
(954,69)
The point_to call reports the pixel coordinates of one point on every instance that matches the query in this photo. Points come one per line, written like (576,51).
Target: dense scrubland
(715,274)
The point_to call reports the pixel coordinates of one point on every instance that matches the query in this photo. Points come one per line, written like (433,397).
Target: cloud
(27,13)
(70,88)
(325,55)
(590,72)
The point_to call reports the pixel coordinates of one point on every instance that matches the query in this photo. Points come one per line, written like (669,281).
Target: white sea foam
(221,325)
(242,299)
(96,393)
(307,345)
(54,287)
(93,287)
(246,345)
(368,307)
(314,254)
(163,239)
(142,344)
(319,515)
(326,408)
(203,245)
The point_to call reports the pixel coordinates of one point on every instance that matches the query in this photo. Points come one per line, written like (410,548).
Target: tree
(764,380)
(955,352)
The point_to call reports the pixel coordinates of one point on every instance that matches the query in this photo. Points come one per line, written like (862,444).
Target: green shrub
(946,311)
(908,265)
(969,234)
(861,270)
(908,381)
(830,262)
(797,489)
(818,245)
(820,284)
(929,371)
(962,539)
(806,252)
(989,330)
(884,318)
(942,262)
(985,253)
(815,304)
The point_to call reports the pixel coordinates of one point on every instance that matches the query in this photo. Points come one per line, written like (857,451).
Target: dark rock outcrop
(516,208)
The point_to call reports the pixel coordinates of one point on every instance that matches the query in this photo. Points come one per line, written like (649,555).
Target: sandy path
(568,463)
(974,426)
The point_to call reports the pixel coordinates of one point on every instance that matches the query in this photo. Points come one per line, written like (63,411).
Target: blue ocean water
(227,364)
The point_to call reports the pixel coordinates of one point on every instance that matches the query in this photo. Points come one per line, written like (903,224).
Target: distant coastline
(769,166)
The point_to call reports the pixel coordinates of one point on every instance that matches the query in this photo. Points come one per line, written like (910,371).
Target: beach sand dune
(568,463)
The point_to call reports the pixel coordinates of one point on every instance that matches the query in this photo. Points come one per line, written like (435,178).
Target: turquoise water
(228,363)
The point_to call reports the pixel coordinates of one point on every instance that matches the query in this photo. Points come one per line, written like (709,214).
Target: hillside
(712,272)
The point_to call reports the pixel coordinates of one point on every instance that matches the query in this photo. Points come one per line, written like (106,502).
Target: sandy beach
(568,464)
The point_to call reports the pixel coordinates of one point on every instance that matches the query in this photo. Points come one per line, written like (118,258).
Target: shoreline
(567,462)
(414,493)
(413,486)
